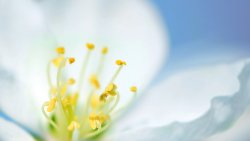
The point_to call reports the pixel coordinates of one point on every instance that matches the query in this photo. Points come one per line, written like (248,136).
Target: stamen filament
(101,63)
(59,73)
(115,104)
(96,132)
(47,117)
(83,70)
(116,74)
(86,107)
(129,103)
(48,75)
(75,135)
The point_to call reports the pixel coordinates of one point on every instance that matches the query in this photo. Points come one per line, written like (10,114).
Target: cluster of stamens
(69,115)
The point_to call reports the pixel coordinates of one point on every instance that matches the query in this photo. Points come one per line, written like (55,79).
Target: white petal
(185,114)
(238,132)
(24,45)
(21,40)
(15,101)
(11,132)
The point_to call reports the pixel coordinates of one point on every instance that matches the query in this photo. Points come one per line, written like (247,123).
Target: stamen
(97,109)
(133,89)
(102,60)
(60,50)
(95,101)
(74,99)
(63,89)
(73,125)
(48,74)
(53,91)
(51,105)
(66,102)
(47,117)
(120,63)
(104,97)
(115,104)
(84,65)
(71,81)
(71,60)
(90,46)
(59,74)
(92,121)
(104,50)
(57,61)
(97,132)
(96,120)
(75,135)
(94,81)
(111,89)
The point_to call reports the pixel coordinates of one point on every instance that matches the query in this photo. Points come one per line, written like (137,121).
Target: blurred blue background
(205,32)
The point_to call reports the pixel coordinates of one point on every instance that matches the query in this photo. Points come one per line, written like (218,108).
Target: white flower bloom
(190,106)
(23,63)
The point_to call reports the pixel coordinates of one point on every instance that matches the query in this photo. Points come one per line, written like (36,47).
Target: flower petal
(11,132)
(15,102)
(190,105)
(238,132)
(25,42)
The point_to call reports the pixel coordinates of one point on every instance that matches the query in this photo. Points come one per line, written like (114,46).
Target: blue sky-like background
(204,32)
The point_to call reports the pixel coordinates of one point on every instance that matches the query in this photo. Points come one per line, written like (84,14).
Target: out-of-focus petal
(11,132)
(15,101)
(239,131)
(175,117)
(24,45)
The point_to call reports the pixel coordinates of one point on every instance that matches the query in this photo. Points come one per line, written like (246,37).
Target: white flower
(189,106)
(30,32)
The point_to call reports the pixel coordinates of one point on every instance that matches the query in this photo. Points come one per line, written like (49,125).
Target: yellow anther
(57,61)
(133,89)
(71,81)
(105,50)
(111,89)
(103,117)
(103,97)
(71,60)
(95,101)
(75,118)
(63,90)
(92,121)
(53,90)
(90,46)
(96,121)
(66,101)
(73,125)
(120,63)
(94,81)
(51,105)
(74,99)
(60,50)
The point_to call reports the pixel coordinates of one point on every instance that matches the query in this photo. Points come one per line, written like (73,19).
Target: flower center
(70,116)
